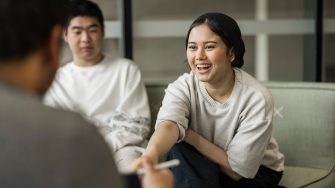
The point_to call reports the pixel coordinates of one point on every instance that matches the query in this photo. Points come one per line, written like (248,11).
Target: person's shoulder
(55,133)
(121,63)
(66,65)
(31,110)
(65,68)
(58,117)
(250,83)
(67,117)
(186,83)
(185,79)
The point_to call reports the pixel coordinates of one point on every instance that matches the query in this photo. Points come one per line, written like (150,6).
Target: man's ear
(54,46)
(65,33)
(103,32)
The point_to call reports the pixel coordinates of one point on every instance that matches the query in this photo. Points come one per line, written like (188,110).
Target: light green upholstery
(304,126)
(156,92)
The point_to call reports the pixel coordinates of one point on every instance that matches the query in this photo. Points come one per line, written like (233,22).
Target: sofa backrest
(156,92)
(304,120)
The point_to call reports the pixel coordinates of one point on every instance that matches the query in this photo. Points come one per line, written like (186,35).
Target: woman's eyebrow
(207,42)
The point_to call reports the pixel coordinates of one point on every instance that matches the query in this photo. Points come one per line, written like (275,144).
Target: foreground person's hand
(152,178)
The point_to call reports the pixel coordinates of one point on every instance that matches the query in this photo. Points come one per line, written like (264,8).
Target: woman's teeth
(203,66)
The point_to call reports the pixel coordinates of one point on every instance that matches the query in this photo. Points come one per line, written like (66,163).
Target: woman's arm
(211,151)
(165,136)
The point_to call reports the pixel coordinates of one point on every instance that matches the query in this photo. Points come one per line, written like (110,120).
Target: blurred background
(285,40)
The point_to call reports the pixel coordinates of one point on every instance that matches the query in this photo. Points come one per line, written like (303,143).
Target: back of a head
(26,25)
(85,8)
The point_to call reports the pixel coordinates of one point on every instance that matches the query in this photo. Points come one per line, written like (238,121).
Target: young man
(107,91)
(40,146)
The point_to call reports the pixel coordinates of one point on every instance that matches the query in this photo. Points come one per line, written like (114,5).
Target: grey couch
(304,126)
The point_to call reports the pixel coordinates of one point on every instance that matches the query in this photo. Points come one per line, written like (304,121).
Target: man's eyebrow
(76,28)
(82,28)
(206,42)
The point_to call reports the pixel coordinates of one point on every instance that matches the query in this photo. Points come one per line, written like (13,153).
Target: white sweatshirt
(242,126)
(112,96)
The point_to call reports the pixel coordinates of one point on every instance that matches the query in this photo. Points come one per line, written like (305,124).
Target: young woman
(217,119)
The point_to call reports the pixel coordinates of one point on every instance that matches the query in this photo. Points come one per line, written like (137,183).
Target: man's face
(84,36)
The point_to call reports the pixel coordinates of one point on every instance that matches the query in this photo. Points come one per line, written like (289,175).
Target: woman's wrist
(152,154)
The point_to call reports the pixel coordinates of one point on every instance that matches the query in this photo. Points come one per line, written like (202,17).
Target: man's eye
(76,32)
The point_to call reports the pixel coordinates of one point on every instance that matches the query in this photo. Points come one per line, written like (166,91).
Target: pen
(166,164)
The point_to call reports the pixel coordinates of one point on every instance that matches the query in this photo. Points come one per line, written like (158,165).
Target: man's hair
(25,25)
(85,8)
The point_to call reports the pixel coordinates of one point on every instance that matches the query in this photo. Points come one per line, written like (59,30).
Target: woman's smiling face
(207,55)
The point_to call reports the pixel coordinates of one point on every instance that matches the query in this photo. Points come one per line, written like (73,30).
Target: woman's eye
(210,47)
(192,47)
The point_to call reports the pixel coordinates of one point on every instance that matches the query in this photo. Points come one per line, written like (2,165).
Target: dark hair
(85,8)
(25,25)
(228,30)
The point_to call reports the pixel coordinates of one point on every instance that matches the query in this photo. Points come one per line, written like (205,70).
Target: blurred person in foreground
(41,146)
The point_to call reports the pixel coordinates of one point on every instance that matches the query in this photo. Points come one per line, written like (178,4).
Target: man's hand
(152,178)
(138,163)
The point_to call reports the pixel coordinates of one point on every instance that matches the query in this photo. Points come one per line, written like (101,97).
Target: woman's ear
(232,58)
(231,54)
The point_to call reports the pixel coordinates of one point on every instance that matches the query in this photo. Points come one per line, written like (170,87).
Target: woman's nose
(200,55)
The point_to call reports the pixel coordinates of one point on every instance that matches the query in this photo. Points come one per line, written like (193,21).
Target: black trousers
(197,171)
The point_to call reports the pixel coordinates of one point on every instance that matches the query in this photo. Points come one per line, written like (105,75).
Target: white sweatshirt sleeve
(129,124)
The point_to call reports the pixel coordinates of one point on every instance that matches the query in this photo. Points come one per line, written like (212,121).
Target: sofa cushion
(304,126)
(301,177)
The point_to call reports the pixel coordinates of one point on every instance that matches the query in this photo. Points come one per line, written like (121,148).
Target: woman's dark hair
(25,25)
(228,30)
(85,8)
